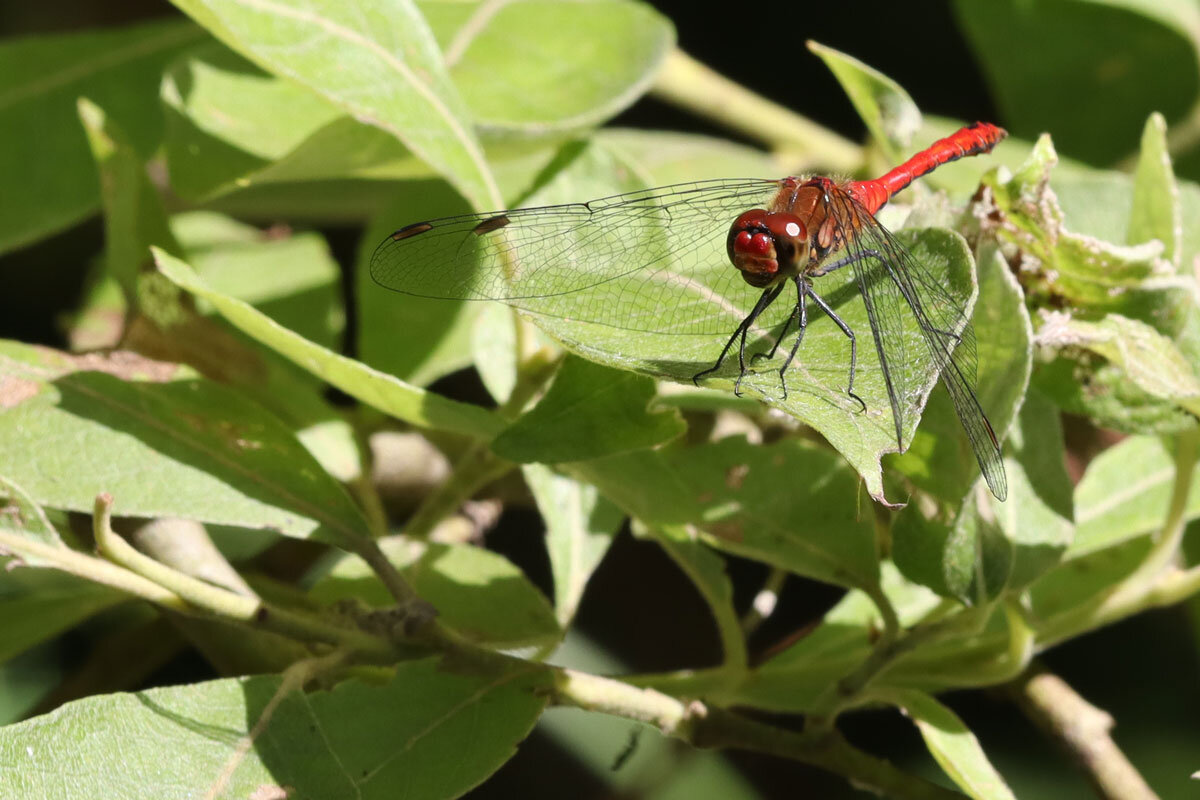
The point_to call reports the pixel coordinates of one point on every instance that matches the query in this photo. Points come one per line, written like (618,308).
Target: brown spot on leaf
(735,476)
(14,390)
(123,364)
(729,531)
(269,791)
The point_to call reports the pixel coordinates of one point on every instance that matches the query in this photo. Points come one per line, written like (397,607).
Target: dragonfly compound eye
(767,246)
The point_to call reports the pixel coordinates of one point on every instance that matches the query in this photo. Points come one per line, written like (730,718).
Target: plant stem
(706,727)
(1083,729)
(188,595)
(479,466)
(476,468)
(693,722)
(764,602)
(90,568)
(687,83)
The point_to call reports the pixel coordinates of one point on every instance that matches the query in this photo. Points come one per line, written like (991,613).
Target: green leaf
(479,594)
(1090,276)
(788,504)
(666,157)
(494,349)
(1063,266)
(993,645)
(242,261)
(983,548)
(40,79)
(1148,360)
(889,113)
(378,62)
(434,733)
(382,391)
(1156,209)
(21,514)
(939,459)
(1126,492)
(1038,525)
(953,746)
(1117,61)
(417,339)
(232,128)
(163,441)
(789,681)
(590,411)
(26,680)
(1082,580)
(1091,387)
(579,63)
(40,604)
(580,526)
(225,119)
(134,217)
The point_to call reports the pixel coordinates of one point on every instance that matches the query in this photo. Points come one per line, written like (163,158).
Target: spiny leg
(796,313)
(799,310)
(771,353)
(801,313)
(758,309)
(768,296)
(853,343)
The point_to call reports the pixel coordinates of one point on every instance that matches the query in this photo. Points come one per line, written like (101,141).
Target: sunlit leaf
(435,733)
(163,441)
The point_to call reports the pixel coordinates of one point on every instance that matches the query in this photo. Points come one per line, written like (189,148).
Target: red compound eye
(763,246)
(753,244)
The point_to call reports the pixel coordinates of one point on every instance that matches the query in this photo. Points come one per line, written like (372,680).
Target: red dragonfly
(658,260)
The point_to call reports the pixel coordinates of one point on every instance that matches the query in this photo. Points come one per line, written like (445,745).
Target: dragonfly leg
(771,353)
(853,344)
(801,315)
(846,261)
(768,296)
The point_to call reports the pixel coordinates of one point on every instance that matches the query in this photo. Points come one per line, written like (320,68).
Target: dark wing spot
(411,230)
(491,224)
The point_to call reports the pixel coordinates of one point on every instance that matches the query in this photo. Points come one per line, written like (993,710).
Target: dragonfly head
(767,246)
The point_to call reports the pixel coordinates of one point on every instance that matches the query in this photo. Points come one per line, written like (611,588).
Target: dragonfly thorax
(768,246)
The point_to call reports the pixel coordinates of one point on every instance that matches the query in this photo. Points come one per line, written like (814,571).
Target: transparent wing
(651,260)
(892,283)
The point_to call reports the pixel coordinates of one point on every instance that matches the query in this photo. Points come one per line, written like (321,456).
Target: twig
(1083,729)
(166,587)
(141,576)
(706,727)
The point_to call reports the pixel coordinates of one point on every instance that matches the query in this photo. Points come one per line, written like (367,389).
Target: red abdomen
(979,137)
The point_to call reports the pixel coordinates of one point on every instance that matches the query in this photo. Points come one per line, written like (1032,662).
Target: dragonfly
(660,260)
